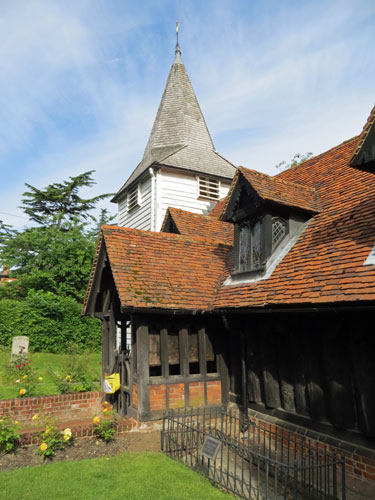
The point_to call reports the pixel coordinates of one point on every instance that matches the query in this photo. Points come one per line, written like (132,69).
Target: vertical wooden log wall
(321,366)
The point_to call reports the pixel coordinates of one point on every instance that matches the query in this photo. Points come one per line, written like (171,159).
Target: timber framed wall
(316,370)
(177,362)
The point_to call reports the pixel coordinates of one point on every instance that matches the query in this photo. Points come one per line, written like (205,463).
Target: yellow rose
(68,377)
(35,417)
(22,392)
(67,437)
(40,379)
(24,377)
(16,422)
(47,431)
(43,446)
(96,420)
(68,431)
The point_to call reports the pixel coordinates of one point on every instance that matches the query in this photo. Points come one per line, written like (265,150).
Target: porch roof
(163,270)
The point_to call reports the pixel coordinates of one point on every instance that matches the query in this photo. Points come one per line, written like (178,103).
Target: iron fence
(264,462)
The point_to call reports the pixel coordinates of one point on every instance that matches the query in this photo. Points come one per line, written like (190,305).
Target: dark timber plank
(270,367)
(340,400)
(315,381)
(143,375)
(254,374)
(286,371)
(363,356)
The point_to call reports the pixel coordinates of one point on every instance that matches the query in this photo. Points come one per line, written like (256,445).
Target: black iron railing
(265,462)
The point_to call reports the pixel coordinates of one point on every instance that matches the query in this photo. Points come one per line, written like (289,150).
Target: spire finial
(177,51)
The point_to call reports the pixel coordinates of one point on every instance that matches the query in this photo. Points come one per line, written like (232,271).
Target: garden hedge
(50,321)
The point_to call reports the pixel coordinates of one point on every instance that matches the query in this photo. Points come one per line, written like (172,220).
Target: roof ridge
(313,190)
(195,238)
(314,158)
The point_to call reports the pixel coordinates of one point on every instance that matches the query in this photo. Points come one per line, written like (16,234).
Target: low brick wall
(359,461)
(62,407)
(85,431)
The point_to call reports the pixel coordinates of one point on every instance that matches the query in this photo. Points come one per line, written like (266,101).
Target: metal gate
(123,396)
(262,463)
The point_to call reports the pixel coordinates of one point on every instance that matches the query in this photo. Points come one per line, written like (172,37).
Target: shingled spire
(179,136)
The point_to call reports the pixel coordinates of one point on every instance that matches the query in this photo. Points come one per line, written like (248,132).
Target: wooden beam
(143,369)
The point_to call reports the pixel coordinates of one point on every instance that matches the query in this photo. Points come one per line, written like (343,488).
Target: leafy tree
(297,158)
(56,259)
(51,264)
(60,201)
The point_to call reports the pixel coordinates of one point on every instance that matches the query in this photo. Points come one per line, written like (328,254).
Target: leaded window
(279,230)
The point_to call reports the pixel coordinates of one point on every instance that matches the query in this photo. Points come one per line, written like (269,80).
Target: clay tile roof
(325,265)
(218,209)
(190,224)
(162,270)
(282,192)
(363,136)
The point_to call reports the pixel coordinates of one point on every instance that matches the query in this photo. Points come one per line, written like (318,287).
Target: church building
(266,301)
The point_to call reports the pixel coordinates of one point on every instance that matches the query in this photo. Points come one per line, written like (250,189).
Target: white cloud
(81,81)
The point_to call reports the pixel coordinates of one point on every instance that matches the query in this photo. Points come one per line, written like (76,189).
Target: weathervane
(178,51)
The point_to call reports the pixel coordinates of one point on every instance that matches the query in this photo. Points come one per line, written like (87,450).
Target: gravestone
(20,347)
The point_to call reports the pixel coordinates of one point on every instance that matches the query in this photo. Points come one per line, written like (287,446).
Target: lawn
(43,364)
(133,476)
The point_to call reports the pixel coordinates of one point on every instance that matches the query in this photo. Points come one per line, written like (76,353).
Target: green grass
(133,476)
(42,364)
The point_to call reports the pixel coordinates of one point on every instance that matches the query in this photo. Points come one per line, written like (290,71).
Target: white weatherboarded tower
(180,167)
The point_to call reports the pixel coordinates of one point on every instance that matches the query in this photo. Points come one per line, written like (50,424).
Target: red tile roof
(162,270)
(190,224)
(279,191)
(326,263)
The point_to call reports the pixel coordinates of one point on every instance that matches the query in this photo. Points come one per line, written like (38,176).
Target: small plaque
(210,447)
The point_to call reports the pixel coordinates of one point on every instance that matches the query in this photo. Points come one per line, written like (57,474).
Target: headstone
(20,346)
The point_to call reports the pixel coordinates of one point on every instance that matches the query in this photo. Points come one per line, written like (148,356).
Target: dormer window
(268,214)
(209,188)
(256,239)
(249,246)
(134,198)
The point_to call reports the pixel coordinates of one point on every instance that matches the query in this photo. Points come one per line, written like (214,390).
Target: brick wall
(214,392)
(170,396)
(176,395)
(196,394)
(76,406)
(359,461)
(135,396)
(158,400)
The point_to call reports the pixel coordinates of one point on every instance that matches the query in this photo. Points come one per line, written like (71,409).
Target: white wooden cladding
(139,217)
(171,189)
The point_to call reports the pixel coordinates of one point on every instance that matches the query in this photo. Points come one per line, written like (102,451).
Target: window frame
(208,188)
(133,198)
(268,248)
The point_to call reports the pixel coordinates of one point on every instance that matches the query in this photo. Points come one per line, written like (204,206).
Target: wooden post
(143,370)
(184,361)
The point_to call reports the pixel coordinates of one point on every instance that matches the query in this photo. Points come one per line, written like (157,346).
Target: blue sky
(81,80)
